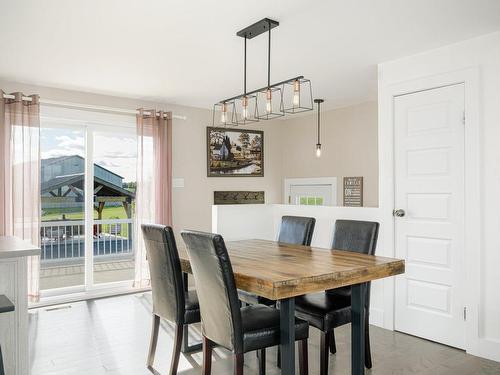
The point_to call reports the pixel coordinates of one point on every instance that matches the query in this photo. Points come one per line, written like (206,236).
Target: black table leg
(357,329)
(287,314)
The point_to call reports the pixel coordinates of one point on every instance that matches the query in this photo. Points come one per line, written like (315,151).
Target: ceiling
(186,52)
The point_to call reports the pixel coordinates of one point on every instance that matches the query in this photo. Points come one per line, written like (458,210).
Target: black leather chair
(332,308)
(224,322)
(296,230)
(171,300)
(5,306)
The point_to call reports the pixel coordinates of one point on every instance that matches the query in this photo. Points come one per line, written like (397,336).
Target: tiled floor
(111,337)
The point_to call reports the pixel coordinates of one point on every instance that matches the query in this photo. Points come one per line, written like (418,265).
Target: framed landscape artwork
(235,152)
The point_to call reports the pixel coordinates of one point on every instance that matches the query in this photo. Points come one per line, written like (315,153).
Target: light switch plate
(178,182)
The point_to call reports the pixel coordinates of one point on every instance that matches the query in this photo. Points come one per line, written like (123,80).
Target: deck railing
(64,241)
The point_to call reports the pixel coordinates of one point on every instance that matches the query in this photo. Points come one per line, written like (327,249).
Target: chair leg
(324,352)
(177,349)
(207,356)
(2,370)
(238,364)
(262,361)
(368,352)
(303,358)
(153,341)
(333,347)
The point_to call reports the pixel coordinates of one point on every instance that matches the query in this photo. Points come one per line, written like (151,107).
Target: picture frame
(234,152)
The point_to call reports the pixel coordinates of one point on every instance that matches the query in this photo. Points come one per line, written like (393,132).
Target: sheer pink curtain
(154,180)
(20,176)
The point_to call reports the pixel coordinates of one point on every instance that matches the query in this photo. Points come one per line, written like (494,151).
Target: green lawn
(72,213)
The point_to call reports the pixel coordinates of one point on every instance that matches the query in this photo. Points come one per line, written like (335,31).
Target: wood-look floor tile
(111,337)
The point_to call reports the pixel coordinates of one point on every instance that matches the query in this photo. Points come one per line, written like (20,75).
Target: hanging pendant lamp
(291,96)
(318,145)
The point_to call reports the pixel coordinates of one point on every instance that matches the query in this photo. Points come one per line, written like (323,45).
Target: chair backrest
(165,271)
(297,230)
(216,288)
(359,237)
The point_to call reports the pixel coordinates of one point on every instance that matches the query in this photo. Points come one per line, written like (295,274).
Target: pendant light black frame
(276,89)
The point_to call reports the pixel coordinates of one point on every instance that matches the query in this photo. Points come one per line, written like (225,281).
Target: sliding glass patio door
(88,172)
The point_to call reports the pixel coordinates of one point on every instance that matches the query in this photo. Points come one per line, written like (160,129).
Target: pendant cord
(245,69)
(319,104)
(269,59)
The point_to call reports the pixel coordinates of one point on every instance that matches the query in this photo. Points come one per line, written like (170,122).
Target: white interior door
(429,192)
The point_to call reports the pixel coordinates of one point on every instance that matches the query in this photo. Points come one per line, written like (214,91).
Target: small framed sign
(353,191)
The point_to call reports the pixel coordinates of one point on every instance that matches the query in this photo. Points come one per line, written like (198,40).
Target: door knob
(398,213)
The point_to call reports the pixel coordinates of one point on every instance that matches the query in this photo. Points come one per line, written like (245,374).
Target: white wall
(259,221)
(483,53)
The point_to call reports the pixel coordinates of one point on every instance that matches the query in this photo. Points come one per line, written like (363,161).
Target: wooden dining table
(281,272)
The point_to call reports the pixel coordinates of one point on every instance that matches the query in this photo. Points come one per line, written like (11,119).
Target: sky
(115,152)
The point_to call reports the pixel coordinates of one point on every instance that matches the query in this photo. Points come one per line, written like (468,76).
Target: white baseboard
(489,349)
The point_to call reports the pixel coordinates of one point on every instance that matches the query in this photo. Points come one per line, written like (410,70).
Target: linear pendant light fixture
(318,145)
(274,100)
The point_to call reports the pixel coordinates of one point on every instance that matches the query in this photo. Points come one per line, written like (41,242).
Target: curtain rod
(90,106)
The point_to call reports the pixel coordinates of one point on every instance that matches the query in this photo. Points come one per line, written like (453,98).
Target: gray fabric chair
(331,309)
(296,230)
(224,322)
(171,300)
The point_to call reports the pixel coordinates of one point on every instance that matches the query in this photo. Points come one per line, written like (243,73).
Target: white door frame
(310,181)
(470,78)
(89,289)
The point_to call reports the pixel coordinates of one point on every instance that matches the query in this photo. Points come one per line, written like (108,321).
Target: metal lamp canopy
(266,102)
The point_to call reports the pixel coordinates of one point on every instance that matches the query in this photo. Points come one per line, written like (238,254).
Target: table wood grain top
(277,270)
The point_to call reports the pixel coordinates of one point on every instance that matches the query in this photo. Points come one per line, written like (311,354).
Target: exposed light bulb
(296,93)
(223,114)
(269,104)
(318,150)
(244,111)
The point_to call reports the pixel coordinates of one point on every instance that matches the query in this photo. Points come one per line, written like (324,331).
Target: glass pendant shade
(224,114)
(270,103)
(318,150)
(246,110)
(297,96)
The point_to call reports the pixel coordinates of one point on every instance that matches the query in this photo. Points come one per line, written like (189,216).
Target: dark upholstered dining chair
(331,309)
(171,300)
(5,306)
(224,322)
(296,230)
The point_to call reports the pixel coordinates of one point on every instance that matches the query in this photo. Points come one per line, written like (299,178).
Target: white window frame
(89,290)
(310,181)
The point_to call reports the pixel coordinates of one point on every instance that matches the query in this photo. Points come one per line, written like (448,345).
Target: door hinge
(463,118)
(465,313)
(289,199)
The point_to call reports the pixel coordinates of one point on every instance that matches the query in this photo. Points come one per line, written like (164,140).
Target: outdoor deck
(63,252)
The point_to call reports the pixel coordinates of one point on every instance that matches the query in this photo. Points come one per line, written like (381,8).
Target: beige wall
(192,203)
(349,138)
(349,147)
